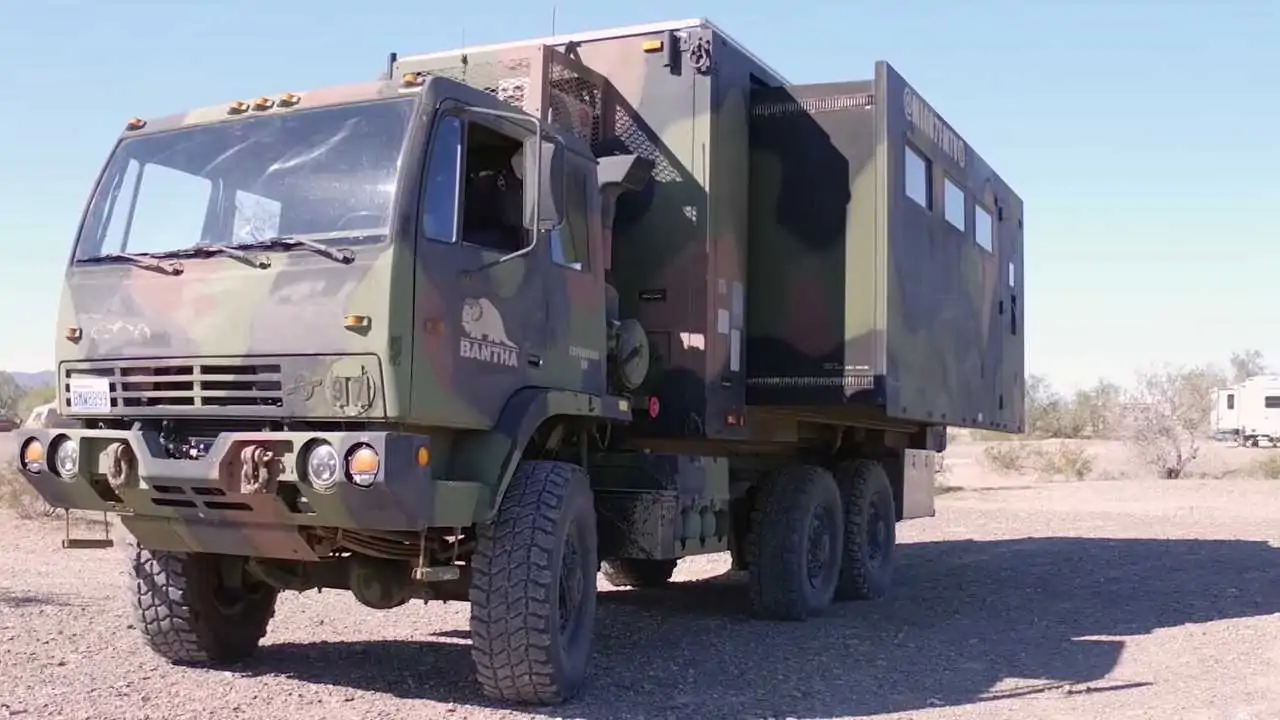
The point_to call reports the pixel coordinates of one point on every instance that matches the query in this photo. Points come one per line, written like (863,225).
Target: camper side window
(1231,401)
(1271,402)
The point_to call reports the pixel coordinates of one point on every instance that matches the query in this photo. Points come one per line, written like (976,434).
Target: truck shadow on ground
(965,618)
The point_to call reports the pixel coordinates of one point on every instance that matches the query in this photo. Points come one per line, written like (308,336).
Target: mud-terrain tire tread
(777,542)
(860,481)
(173,606)
(514,633)
(638,572)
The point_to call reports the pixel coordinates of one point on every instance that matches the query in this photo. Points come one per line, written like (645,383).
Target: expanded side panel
(954,322)
(815,334)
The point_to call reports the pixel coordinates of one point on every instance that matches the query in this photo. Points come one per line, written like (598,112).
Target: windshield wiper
(342,255)
(258,261)
(170,267)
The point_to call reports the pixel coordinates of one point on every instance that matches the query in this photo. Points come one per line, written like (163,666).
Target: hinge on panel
(699,51)
(680,44)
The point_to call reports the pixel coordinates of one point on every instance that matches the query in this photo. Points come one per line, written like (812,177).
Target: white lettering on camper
(926,121)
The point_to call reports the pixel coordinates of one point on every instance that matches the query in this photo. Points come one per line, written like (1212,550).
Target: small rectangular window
(1272,402)
(984,230)
(1231,401)
(439,207)
(569,242)
(1013,277)
(916,177)
(953,203)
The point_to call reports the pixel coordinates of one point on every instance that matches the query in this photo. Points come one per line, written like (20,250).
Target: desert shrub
(1005,457)
(1266,467)
(1088,413)
(1065,461)
(17,495)
(1169,412)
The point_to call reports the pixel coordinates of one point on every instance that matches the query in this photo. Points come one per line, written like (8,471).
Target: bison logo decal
(485,334)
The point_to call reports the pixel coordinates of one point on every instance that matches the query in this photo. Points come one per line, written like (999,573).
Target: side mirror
(544,187)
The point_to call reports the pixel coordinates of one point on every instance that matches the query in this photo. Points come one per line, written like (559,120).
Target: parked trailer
(1258,411)
(602,300)
(1226,414)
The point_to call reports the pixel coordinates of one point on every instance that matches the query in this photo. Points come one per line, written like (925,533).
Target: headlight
(66,458)
(323,466)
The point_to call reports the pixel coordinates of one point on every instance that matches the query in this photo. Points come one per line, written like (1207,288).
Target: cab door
(480,327)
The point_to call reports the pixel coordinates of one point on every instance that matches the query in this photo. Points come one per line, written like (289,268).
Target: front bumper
(249,494)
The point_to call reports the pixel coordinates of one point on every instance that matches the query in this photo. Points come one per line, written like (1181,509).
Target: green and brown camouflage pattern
(678,97)
(283,330)
(858,296)
(681,98)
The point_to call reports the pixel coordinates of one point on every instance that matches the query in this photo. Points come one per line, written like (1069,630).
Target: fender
(495,453)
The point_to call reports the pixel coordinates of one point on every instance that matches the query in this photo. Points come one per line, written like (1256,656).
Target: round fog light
(66,458)
(33,456)
(362,465)
(322,466)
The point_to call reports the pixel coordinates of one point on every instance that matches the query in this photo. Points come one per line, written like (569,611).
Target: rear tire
(533,587)
(796,539)
(187,612)
(870,538)
(638,572)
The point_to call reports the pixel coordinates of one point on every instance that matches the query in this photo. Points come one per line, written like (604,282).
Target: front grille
(185,385)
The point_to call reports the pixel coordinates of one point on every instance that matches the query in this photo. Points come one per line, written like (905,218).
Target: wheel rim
(877,535)
(570,591)
(820,546)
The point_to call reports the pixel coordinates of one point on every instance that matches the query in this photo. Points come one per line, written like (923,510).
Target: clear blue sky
(1143,137)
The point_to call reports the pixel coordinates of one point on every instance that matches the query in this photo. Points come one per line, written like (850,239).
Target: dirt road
(1098,600)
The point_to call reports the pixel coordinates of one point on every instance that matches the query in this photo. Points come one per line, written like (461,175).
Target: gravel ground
(7,448)
(1095,600)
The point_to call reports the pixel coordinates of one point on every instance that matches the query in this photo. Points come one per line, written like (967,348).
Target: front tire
(533,587)
(795,547)
(197,608)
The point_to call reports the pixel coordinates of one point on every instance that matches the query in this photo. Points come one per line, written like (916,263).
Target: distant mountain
(32,380)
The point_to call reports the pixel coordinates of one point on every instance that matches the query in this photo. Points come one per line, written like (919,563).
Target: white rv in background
(1257,410)
(1226,413)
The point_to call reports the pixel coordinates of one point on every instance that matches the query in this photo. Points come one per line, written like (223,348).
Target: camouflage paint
(681,98)
(235,318)
(955,341)
(860,297)
(119,317)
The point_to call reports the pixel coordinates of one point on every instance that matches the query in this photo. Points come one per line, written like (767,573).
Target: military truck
(511,315)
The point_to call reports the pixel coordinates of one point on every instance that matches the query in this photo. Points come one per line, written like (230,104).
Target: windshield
(328,174)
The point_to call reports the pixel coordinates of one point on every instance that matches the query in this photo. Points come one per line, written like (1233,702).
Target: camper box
(830,250)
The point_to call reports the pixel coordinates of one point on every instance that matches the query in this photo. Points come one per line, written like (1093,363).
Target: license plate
(90,395)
